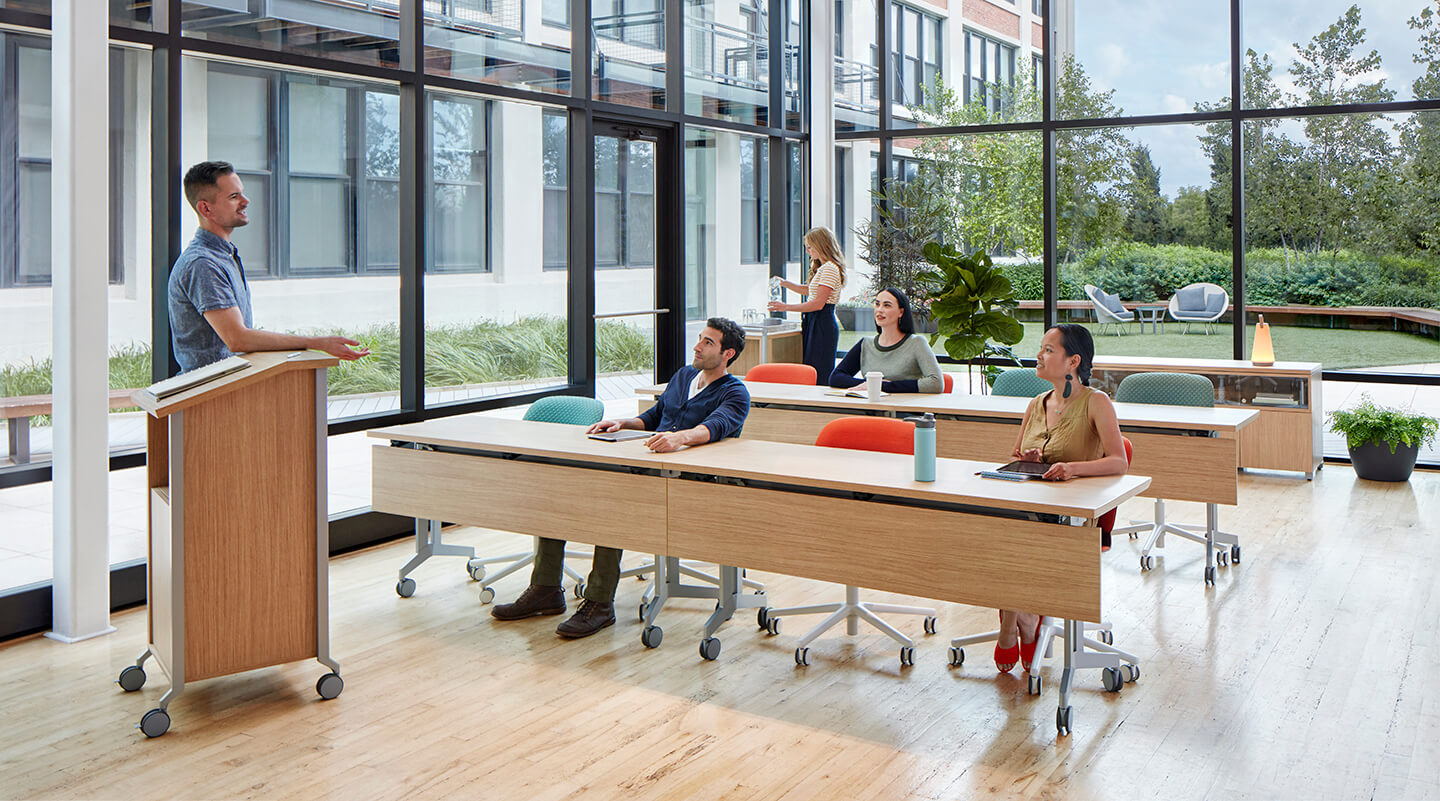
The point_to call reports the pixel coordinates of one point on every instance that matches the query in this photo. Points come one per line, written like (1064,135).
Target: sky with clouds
(1163,58)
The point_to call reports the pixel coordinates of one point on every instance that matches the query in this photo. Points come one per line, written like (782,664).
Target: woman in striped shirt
(819,330)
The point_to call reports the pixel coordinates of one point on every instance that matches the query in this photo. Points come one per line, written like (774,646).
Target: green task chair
(1020,382)
(1178,389)
(569,410)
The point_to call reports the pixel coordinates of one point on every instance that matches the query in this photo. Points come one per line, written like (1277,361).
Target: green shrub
(1369,423)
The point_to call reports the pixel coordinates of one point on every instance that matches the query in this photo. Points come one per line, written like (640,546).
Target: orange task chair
(783,373)
(887,435)
(949,382)
(1117,667)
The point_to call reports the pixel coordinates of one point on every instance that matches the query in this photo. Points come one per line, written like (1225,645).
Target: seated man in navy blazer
(702,403)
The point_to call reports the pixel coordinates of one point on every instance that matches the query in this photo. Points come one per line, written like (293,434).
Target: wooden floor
(1308,672)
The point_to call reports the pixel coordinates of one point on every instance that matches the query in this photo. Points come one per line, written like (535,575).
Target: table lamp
(1262,353)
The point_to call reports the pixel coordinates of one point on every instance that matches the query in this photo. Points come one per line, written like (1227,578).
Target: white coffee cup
(872,384)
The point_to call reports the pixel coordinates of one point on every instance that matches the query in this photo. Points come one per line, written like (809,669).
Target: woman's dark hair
(907,320)
(1078,342)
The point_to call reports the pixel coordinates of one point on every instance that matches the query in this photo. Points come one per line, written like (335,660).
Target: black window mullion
(9,163)
(359,194)
(279,135)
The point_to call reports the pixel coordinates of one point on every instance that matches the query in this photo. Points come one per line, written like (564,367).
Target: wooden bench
(18,411)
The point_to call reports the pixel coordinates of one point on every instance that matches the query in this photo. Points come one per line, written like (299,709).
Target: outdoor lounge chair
(1198,303)
(1108,309)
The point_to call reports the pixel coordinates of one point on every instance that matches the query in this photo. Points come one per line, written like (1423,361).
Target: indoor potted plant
(1383,442)
(973,307)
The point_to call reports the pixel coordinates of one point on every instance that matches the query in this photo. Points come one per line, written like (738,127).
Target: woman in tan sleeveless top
(1073,428)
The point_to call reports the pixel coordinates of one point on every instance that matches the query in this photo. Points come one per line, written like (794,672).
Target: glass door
(629,212)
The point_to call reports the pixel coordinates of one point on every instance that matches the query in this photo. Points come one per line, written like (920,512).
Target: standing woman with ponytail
(819,330)
(1074,429)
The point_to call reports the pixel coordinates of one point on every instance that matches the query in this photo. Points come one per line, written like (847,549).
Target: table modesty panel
(933,553)
(596,506)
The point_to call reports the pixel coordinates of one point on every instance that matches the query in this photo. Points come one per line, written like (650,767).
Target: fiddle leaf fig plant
(972,305)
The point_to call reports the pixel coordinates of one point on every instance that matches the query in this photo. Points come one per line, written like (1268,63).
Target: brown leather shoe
(588,619)
(535,600)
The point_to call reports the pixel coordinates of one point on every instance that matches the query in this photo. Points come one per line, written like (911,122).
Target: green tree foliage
(1147,217)
(1417,225)
(1090,165)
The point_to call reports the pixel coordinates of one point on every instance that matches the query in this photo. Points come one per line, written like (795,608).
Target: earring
(1066,393)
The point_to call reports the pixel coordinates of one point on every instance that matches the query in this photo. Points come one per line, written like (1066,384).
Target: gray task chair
(1108,309)
(570,410)
(1198,303)
(1177,389)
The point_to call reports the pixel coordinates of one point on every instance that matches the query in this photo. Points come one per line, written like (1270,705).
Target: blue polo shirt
(208,276)
(722,406)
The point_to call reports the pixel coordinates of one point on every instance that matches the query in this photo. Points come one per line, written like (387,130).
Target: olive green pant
(604,570)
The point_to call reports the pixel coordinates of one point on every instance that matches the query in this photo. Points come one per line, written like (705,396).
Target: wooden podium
(239,538)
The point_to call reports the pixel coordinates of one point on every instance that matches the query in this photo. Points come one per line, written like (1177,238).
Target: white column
(822,114)
(79,214)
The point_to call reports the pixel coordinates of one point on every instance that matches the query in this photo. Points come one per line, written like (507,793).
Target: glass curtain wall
(1337,107)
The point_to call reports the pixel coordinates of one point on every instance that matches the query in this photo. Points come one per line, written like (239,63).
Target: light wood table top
(782,463)
(1144,415)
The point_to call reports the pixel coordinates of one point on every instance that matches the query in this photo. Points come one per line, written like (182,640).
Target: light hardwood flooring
(1307,672)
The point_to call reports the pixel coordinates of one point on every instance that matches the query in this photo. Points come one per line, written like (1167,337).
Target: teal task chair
(1020,382)
(569,410)
(1178,389)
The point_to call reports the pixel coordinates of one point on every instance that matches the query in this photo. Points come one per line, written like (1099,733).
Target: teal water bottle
(924,446)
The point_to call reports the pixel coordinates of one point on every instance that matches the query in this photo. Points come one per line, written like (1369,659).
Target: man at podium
(209,297)
(702,403)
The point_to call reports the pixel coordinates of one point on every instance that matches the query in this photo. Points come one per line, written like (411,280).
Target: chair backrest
(1108,307)
(570,409)
(885,434)
(783,373)
(1171,389)
(1020,382)
(1107,520)
(1215,300)
(949,382)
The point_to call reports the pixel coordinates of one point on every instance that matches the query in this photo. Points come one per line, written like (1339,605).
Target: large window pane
(1154,59)
(1139,218)
(727,60)
(555,161)
(628,63)
(857,66)
(1330,52)
(359,33)
(489,41)
(504,331)
(725,275)
(1342,215)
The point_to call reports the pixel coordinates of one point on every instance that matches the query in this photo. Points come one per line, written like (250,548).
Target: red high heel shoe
(1005,658)
(1027,649)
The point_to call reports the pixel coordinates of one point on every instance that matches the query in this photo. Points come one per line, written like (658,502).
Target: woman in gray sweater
(906,359)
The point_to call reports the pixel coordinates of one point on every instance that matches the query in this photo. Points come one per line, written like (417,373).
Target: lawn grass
(1335,348)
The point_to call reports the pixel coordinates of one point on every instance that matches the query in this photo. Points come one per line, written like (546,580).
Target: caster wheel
(1235,554)
(651,636)
(329,686)
(155,723)
(1146,563)
(1107,637)
(709,649)
(1130,673)
(1222,559)
(929,624)
(772,626)
(1062,720)
(579,590)
(802,656)
(1210,576)
(1134,535)
(907,656)
(477,571)
(1034,683)
(131,678)
(957,657)
(405,587)
(1111,680)
(644,607)
(762,617)
(487,595)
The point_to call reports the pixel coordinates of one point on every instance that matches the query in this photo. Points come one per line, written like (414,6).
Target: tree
(1147,210)
(1090,164)
(1417,225)
(1351,154)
